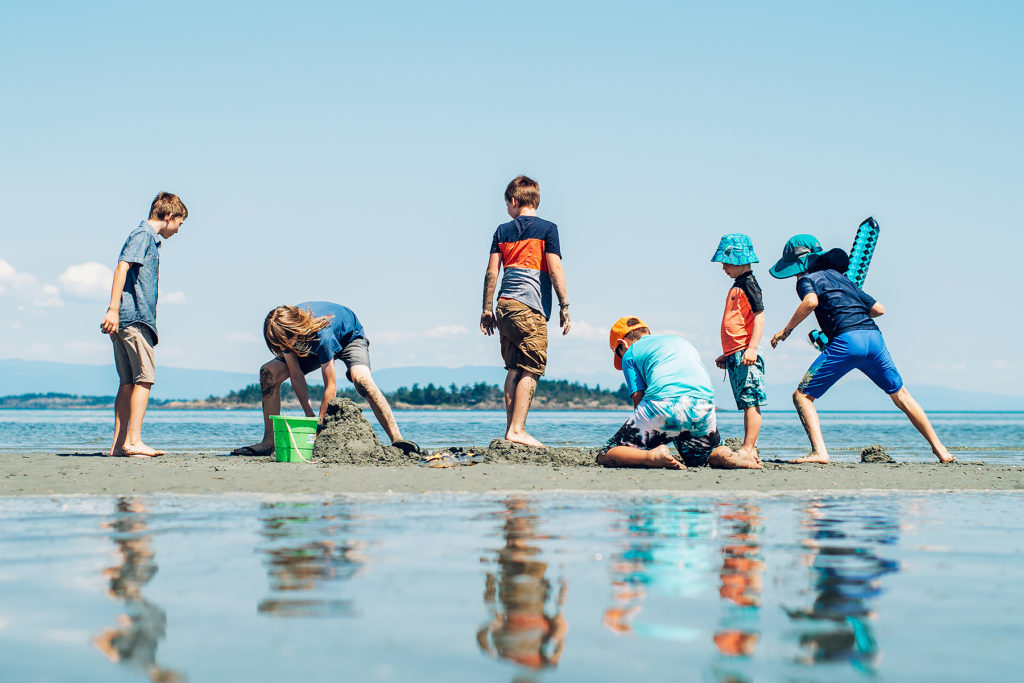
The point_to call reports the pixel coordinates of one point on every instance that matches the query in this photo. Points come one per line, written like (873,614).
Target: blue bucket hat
(736,250)
(800,252)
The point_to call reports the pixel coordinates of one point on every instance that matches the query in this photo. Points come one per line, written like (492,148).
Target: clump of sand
(875,453)
(503,451)
(347,438)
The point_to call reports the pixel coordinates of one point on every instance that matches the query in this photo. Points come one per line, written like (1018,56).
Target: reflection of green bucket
(293,438)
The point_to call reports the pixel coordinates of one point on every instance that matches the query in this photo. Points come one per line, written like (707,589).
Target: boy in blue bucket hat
(846,314)
(742,327)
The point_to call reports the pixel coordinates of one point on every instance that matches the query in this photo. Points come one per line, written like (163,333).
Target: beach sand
(209,473)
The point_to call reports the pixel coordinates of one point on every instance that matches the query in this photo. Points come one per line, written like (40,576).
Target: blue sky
(358,153)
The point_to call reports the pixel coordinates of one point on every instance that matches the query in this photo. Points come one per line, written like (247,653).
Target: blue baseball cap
(797,256)
(735,249)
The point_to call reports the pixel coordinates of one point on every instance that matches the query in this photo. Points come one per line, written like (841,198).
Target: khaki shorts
(524,336)
(133,355)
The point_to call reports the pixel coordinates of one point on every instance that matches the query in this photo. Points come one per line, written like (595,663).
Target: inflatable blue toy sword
(860,258)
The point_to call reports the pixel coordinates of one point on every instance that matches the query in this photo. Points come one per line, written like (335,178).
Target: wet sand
(212,473)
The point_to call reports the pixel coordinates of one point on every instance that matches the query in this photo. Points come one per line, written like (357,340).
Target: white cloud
(438,332)
(171,297)
(25,287)
(580,329)
(445,331)
(90,280)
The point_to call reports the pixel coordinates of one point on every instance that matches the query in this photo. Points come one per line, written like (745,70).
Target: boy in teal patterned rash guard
(673,402)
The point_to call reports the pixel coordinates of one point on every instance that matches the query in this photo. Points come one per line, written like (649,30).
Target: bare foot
(751,453)
(943,455)
(662,457)
(523,438)
(725,458)
(816,458)
(141,450)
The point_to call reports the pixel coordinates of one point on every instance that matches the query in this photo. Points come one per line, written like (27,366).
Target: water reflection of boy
(741,582)
(846,578)
(660,556)
(305,566)
(134,641)
(522,629)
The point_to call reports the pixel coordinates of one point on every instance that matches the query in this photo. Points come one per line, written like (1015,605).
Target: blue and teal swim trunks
(687,422)
(862,350)
(747,381)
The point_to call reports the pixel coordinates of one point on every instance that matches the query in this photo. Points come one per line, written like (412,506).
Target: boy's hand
(781,335)
(487,322)
(749,356)
(563,318)
(720,361)
(110,321)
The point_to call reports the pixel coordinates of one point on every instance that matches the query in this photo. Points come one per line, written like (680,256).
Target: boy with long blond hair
(131,321)
(303,337)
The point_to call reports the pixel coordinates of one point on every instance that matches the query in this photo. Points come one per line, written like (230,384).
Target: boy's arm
(807,305)
(487,323)
(298,383)
(554,262)
(110,320)
(876,309)
(750,355)
(637,397)
(330,386)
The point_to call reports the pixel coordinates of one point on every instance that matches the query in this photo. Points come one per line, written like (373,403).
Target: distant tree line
(548,391)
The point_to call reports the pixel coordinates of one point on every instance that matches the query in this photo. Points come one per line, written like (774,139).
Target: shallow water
(996,437)
(505,588)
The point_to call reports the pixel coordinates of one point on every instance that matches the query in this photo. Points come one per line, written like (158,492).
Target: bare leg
(511,381)
(751,428)
(366,387)
(913,410)
(631,456)
(138,402)
(122,409)
(809,417)
(522,397)
(272,375)
(724,458)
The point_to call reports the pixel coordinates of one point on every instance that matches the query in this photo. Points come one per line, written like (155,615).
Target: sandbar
(40,473)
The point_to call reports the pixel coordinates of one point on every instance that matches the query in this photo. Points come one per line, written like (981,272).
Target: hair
(525,191)
(166,206)
(635,334)
(288,321)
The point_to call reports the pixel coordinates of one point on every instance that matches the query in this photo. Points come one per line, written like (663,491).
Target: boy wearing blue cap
(846,315)
(742,326)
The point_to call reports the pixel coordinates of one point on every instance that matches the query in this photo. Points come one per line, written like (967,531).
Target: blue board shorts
(747,381)
(862,350)
(688,422)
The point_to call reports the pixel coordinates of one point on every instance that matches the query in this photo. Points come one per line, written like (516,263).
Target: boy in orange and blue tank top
(528,250)
(742,326)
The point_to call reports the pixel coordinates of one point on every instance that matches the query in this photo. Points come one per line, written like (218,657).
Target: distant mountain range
(856,393)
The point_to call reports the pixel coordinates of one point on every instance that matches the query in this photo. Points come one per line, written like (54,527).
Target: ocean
(995,437)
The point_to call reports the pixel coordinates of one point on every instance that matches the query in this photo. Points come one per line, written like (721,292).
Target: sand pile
(875,453)
(502,451)
(348,439)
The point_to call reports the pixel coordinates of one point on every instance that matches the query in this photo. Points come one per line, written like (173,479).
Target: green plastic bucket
(293,438)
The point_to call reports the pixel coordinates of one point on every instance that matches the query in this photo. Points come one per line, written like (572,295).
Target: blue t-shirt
(665,366)
(344,328)
(842,306)
(138,298)
(524,244)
